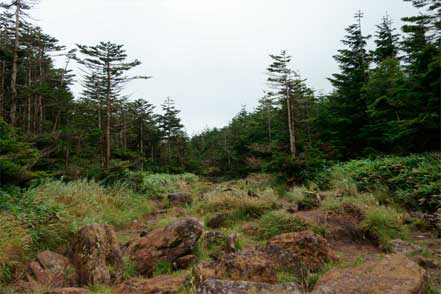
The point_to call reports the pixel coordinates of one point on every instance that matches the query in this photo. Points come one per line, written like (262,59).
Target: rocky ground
(238,237)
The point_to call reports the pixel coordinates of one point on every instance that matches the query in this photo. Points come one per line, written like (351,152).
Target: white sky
(210,55)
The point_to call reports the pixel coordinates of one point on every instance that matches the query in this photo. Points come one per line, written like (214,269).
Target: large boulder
(253,266)
(395,274)
(96,254)
(157,285)
(52,270)
(213,286)
(180,198)
(301,251)
(164,244)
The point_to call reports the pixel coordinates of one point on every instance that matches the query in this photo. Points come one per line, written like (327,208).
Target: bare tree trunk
(29,98)
(13,112)
(108,110)
(2,89)
(291,127)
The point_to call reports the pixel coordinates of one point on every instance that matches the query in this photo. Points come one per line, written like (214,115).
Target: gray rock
(213,286)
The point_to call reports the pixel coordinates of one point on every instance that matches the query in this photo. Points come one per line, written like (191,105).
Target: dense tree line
(385,100)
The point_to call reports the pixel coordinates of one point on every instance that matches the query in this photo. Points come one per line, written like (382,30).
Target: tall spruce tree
(348,103)
(170,126)
(386,41)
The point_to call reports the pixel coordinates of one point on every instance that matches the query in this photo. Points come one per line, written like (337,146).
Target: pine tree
(280,79)
(20,7)
(348,103)
(170,126)
(386,41)
(110,60)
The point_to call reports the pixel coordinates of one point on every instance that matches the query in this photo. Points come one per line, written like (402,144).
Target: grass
(384,224)
(47,216)
(274,223)
(237,208)
(154,185)
(163,268)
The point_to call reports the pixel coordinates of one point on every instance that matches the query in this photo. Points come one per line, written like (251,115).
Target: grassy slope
(46,216)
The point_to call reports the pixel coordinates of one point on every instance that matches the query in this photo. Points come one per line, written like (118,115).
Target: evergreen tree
(170,126)
(110,60)
(348,103)
(386,41)
(280,79)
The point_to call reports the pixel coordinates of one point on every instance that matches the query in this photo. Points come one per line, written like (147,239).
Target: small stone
(402,247)
(216,221)
(180,198)
(185,261)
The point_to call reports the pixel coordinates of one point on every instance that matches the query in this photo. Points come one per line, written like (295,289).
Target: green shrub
(274,223)
(384,224)
(238,208)
(163,268)
(156,184)
(412,181)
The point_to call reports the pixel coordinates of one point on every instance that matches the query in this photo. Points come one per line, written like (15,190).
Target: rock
(52,270)
(96,255)
(427,263)
(214,243)
(253,266)
(69,291)
(216,221)
(157,285)
(164,244)
(403,247)
(293,208)
(180,198)
(301,250)
(203,271)
(212,286)
(249,229)
(185,261)
(231,245)
(395,274)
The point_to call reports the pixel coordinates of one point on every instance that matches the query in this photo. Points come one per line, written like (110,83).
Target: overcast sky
(210,55)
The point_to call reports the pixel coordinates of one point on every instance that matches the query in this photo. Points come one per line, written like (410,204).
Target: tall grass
(47,216)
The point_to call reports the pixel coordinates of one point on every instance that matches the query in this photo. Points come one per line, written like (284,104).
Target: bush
(412,181)
(238,208)
(384,224)
(274,223)
(157,184)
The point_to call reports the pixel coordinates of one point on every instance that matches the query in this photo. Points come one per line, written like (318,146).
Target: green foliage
(47,216)
(163,267)
(384,224)
(16,156)
(412,181)
(155,185)
(238,208)
(274,223)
